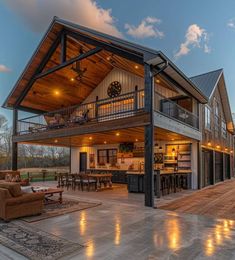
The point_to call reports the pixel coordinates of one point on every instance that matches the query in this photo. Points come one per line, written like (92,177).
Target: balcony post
(96,107)
(14,149)
(149,137)
(136,98)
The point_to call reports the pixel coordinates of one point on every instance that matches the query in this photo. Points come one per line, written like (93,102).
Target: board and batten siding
(128,82)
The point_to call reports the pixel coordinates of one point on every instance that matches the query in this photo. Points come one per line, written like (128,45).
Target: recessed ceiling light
(217,146)
(158,81)
(57,92)
(90,138)
(117,134)
(209,143)
(108,58)
(136,67)
(56,141)
(72,79)
(136,140)
(105,142)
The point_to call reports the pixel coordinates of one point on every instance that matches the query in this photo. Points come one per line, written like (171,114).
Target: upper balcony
(107,109)
(125,105)
(174,111)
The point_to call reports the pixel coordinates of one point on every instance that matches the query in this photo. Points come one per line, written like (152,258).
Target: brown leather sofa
(14,203)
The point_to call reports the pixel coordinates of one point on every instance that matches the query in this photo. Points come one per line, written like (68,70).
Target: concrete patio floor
(125,229)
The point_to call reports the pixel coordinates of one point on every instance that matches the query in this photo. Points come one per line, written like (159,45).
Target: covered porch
(121,153)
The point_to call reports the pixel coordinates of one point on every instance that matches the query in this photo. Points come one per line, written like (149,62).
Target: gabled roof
(206,82)
(57,26)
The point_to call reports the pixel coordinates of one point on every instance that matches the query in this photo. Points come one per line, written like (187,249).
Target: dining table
(105,178)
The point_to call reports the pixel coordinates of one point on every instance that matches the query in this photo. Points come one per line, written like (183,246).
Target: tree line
(29,156)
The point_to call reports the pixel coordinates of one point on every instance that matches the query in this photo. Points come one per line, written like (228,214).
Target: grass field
(40,174)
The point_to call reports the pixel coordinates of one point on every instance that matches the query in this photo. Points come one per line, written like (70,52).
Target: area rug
(33,243)
(67,206)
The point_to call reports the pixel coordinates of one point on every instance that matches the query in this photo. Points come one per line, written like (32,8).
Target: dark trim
(38,70)
(66,63)
(31,110)
(14,152)
(108,47)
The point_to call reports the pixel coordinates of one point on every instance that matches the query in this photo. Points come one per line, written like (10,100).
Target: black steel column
(14,148)
(213,168)
(199,164)
(149,138)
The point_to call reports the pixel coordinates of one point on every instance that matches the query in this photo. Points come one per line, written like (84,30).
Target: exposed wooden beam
(38,70)
(138,58)
(66,63)
(63,44)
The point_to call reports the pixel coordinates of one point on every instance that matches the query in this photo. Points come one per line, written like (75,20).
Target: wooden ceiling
(62,89)
(111,137)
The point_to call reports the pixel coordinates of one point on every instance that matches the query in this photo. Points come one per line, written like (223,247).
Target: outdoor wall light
(217,146)
(209,143)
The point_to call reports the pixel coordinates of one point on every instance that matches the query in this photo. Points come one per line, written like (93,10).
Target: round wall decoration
(114,89)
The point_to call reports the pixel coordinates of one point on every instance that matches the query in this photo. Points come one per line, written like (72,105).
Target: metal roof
(207,82)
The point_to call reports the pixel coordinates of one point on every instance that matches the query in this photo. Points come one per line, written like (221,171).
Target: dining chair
(88,182)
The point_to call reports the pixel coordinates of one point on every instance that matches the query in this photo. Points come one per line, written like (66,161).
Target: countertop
(161,172)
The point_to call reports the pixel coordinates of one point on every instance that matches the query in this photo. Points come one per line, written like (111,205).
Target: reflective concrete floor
(130,231)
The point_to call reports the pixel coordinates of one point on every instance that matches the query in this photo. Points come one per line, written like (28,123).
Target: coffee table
(49,193)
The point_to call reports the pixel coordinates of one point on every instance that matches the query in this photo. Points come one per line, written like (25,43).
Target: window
(207,117)
(216,115)
(223,129)
(107,156)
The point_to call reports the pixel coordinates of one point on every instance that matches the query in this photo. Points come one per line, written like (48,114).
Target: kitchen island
(163,180)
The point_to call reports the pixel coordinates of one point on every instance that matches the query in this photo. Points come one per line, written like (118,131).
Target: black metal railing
(173,110)
(106,109)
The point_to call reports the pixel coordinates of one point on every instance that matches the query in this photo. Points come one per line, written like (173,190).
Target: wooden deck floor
(217,201)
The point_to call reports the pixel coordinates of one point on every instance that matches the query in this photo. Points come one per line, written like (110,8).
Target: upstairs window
(223,129)
(207,118)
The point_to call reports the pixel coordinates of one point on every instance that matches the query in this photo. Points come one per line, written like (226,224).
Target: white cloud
(147,28)
(38,13)
(231,23)
(195,37)
(4,68)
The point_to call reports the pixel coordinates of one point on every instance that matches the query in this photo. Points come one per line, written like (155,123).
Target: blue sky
(201,32)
